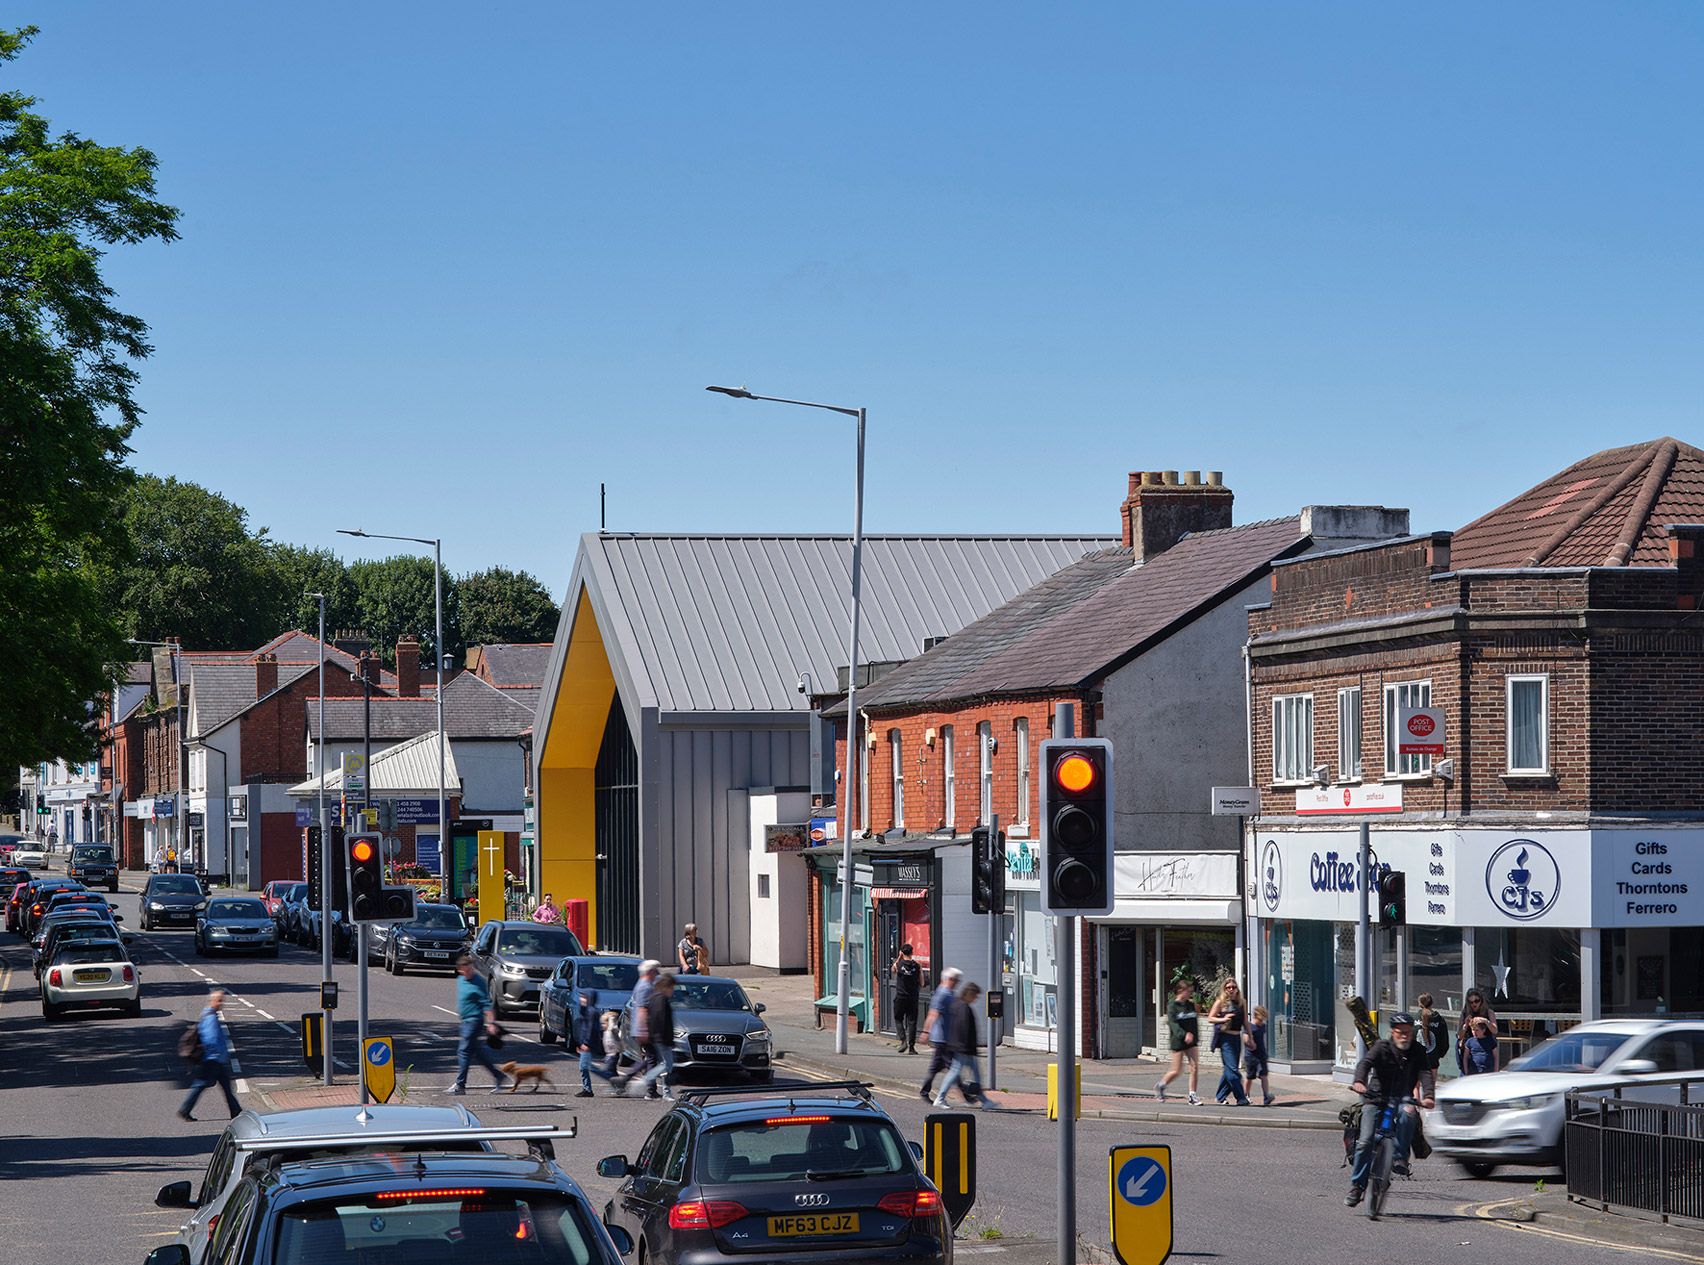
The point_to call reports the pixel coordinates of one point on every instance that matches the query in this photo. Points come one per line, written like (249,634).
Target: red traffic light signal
(366,878)
(1076,825)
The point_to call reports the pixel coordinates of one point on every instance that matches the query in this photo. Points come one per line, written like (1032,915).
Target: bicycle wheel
(1379,1184)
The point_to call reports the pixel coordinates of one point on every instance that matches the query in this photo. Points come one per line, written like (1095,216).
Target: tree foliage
(66,413)
(394,599)
(498,605)
(298,571)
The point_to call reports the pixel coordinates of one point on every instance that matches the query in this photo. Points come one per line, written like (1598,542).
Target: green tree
(393,598)
(195,571)
(498,605)
(298,571)
(66,413)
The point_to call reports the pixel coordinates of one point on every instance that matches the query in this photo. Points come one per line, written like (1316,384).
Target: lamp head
(739,393)
(344,531)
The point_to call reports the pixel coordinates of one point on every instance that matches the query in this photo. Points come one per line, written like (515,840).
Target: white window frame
(1292,738)
(1397,695)
(896,744)
(985,772)
(1020,736)
(949,765)
(1509,683)
(1349,734)
(863,784)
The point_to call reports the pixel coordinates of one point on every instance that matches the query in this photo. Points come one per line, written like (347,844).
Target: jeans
(211,1072)
(1230,1080)
(664,1069)
(589,1065)
(1370,1113)
(471,1044)
(966,1070)
(939,1060)
(905,1017)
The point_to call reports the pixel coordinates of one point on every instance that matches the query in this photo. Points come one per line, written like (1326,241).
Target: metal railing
(1638,1146)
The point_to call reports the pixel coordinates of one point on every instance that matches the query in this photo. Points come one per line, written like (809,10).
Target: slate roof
(717,624)
(1609,509)
(407,766)
(472,709)
(219,691)
(515,664)
(1075,627)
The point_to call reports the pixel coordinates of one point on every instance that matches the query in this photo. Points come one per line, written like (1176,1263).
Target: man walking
(587,1029)
(935,1029)
(907,973)
(649,969)
(215,1065)
(659,1020)
(547,913)
(473,1006)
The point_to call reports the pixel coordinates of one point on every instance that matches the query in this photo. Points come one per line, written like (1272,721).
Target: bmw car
(236,924)
(717,1029)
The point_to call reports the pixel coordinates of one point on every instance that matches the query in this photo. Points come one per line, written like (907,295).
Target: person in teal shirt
(473,1006)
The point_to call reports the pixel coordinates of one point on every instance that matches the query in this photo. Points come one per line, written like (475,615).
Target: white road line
(245,1001)
(242,1086)
(431,1036)
(284,1026)
(342,1064)
(263,1014)
(445,1009)
(202,974)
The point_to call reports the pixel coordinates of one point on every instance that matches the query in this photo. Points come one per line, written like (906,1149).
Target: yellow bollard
(1053,1091)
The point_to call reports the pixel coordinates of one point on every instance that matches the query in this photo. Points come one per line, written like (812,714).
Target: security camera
(801,685)
(1321,774)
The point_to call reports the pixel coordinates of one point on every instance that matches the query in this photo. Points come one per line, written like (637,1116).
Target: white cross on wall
(491,849)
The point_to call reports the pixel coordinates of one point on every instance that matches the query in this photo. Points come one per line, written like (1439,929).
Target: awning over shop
(899,893)
(1166,912)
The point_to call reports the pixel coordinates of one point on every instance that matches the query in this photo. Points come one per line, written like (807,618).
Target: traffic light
(396,903)
(366,878)
(316,884)
(387,816)
(1393,898)
(1076,826)
(988,877)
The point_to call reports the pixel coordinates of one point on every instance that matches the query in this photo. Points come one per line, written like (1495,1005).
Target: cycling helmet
(1401,1017)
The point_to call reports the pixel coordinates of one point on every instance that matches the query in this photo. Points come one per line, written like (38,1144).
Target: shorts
(1253,1064)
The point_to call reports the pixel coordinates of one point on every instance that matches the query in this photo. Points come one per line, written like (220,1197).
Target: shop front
(1551,927)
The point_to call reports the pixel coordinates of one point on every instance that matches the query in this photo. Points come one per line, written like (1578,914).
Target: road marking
(1484,1211)
(431,1036)
(263,1014)
(284,1026)
(446,1010)
(5,983)
(242,1086)
(340,1063)
(245,1001)
(192,969)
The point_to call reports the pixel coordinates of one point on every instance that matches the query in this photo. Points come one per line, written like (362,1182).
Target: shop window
(1020,738)
(1404,694)
(1529,724)
(1349,733)
(1656,972)
(985,750)
(949,775)
(1292,738)
(896,748)
(1529,969)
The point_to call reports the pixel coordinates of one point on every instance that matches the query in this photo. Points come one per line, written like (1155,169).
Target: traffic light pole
(1065,1077)
(995,918)
(325,861)
(359,929)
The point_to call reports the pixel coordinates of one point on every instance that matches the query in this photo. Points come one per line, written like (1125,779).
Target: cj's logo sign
(1522,879)
(1271,875)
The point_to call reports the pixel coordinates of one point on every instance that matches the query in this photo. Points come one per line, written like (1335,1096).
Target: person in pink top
(547,912)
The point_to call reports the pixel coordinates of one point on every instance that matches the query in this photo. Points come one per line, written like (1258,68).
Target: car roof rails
(778,1089)
(539,1138)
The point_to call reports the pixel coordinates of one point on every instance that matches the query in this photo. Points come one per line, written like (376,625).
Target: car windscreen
(66,932)
(508,1227)
(176,884)
(92,854)
(295,892)
(78,898)
(787,1148)
(543,942)
(236,909)
(691,994)
(89,951)
(1571,1052)
(613,977)
(438,918)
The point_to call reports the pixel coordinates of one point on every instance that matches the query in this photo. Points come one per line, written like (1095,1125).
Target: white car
(1515,1116)
(33,857)
(89,975)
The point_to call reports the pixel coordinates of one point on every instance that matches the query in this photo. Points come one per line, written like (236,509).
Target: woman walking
(965,1071)
(1473,1007)
(1183,1019)
(1229,1017)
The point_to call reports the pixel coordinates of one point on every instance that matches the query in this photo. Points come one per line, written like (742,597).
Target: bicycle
(1383,1143)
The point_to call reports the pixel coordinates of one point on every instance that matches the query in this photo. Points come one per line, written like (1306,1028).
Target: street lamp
(438,653)
(843,1006)
(177,706)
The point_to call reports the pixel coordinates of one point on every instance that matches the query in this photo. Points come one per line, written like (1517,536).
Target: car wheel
(545,1035)
(134,1009)
(50,1013)
(763,1078)
(113,889)
(391,964)
(200,951)
(1478,1168)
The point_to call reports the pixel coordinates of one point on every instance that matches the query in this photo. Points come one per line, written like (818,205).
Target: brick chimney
(265,674)
(370,667)
(352,641)
(1162,508)
(408,668)
(1686,552)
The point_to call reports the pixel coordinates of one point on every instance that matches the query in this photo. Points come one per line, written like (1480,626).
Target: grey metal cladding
(727,623)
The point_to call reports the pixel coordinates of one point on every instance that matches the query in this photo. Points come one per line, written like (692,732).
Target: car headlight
(202,906)
(680,1042)
(154,904)
(513,972)
(757,1038)
(1529,1103)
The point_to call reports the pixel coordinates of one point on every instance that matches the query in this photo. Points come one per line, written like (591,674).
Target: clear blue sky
(445,268)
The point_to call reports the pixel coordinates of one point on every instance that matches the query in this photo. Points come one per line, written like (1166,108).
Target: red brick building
(1554,851)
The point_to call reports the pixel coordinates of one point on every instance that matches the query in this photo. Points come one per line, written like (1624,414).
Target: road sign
(1140,1186)
(949,1158)
(354,771)
(1420,731)
(1236,801)
(393,845)
(312,1043)
(378,1065)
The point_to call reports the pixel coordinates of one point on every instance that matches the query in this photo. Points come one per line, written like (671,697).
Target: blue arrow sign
(1141,1181)
(379,1055)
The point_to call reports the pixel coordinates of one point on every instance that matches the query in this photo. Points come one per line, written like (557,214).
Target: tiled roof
(407,766)
(1609,509)
(472,709)
(220,691)
(1075,626)
(300,647)
(516,664)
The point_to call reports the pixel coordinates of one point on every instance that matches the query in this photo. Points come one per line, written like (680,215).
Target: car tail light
(911,1203)
(928,1204)
(53,977)
(129,975)
(702,1214)
(775,1120)
(459,1192)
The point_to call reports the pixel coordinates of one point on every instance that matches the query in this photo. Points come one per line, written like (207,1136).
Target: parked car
(517,957)
(612,977)
(92,865)
(344,1134)
(717,1028)
(171,900)
(274,894)
(89,976)
(435,939)
(232,924)
(1514,1116)
(295,917)
(821,1173)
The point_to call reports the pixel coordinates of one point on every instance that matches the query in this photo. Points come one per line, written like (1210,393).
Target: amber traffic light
(1076,823)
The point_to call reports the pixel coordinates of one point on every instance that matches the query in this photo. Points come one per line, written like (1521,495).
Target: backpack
(189,1044)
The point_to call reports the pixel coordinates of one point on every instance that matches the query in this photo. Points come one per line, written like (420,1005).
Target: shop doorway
(1129,1023)
(889,936)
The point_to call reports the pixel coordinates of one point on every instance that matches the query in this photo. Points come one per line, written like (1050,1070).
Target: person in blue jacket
(215,1065)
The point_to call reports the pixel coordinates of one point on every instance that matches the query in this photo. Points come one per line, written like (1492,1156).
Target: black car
(171,900)
(436,938)
(437,1208)
(92,865)
(517,957)
(718,1028)
(41,899)
(76,931)
(730,1175)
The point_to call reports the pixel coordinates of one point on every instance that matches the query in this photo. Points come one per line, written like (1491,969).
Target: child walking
(1254,1055)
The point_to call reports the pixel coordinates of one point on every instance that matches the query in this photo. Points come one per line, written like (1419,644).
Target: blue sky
(445,269)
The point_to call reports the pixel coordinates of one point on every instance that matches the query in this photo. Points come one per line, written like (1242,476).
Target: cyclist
(1390,1071)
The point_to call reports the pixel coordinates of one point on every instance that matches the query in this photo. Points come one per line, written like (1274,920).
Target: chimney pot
(1155,517)
(1169,478)
(408,668)
(1215,479)
(1192,478)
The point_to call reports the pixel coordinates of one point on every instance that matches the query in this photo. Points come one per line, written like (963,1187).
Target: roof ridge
(1235,527)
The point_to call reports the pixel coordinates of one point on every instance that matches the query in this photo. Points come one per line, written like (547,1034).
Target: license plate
(813,1223)
(433,953)
(89,977)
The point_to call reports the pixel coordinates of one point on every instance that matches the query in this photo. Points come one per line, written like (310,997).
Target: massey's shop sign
(1486,878)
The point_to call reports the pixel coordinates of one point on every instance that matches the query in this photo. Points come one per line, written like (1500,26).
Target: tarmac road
(88,1131)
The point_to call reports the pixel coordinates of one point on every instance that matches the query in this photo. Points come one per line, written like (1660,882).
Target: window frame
(896,752)
(985,772)
(1282,745)
(1421,766)
(949,776)
(863,782)
(1020,736)
(1542,769)
(1346,773)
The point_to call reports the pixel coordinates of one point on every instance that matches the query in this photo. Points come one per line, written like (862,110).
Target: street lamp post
(438,653)
(325,858)
(843,1007)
